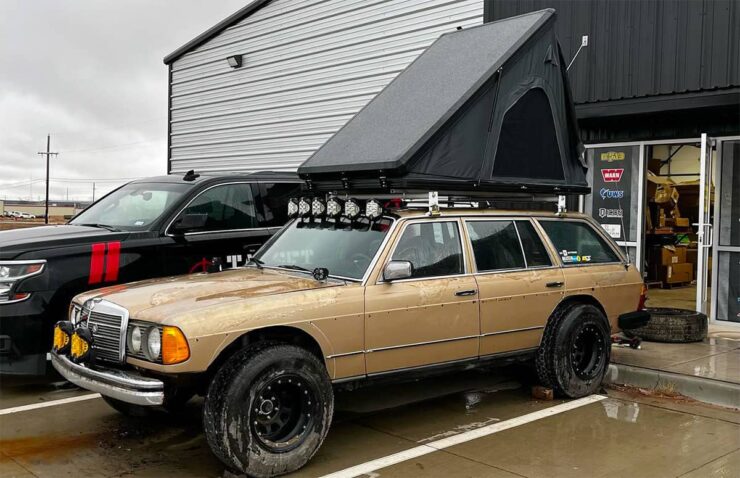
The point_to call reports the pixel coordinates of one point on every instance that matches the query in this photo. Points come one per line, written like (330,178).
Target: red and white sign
(612,175)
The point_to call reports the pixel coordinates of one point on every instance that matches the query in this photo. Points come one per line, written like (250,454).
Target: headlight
(13,271)
(153,343)
(134,340)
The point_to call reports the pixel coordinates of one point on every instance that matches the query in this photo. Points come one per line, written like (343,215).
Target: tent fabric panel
(425,96)
(459,151)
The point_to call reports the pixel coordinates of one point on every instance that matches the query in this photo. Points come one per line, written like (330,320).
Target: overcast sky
(90,73)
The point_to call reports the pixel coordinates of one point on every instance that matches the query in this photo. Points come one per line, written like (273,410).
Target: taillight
(643,298)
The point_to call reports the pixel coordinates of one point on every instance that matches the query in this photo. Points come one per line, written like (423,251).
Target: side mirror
(189,222)
(397,270)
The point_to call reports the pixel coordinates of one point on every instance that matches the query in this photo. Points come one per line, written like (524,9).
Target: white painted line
(52,403)
(374,465)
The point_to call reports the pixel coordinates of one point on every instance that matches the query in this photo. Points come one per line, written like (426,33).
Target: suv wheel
(268,409)
(574,353)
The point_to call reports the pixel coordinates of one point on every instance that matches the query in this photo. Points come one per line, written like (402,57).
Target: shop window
(578,243)
(517,155)
(433,248)
(495,245)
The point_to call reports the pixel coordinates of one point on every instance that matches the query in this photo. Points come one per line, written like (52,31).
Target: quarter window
(534,250)
(433,248)
(495,245)
(578,243)
(229,207)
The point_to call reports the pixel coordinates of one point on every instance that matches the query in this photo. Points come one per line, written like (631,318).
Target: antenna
(584,43)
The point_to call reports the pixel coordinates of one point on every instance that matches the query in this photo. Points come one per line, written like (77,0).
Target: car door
(230,234)
(430,318)
(519,283)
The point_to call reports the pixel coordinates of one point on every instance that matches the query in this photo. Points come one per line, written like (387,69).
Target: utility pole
(93,192)
(48,154)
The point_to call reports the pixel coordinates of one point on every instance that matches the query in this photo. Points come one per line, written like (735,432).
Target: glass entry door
(704,226)
(726,250)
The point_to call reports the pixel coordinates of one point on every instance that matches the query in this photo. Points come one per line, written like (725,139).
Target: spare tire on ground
(672,325)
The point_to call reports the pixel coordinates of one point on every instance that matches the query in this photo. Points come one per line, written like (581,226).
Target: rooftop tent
(487,108)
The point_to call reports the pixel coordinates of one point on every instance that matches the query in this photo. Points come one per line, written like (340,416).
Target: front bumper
(125,386)
(633,320)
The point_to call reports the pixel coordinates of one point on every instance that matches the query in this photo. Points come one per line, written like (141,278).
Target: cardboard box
(682,222)
(677,273)
(691,255)
(670,255)
(666,194)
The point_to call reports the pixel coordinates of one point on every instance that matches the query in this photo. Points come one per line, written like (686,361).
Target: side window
(229,207)
(534,250)
(273,202)
(433,248)
(495,245)
(578,243)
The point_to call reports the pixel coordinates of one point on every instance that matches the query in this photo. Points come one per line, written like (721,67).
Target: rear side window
(229,206)
(495,245)
(433,248)
(534,250)
(578,243)
(272,200)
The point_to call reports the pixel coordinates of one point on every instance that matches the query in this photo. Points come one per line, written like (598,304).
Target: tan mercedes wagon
(348,291)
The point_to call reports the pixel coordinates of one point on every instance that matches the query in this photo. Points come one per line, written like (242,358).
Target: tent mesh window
(516,152)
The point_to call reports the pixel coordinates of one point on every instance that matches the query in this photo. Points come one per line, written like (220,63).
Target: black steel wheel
(573,356)
(268,409)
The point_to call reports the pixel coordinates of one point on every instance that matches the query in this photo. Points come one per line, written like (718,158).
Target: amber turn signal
(175,347)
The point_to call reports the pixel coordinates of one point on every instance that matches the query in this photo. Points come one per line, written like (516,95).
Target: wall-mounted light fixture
(235,61)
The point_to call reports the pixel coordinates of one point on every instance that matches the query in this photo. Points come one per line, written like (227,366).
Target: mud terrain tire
(673,326)
(268,409)
(575,349)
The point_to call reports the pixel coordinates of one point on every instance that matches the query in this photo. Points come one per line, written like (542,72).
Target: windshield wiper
(257,262)
(102,226)
(294,267)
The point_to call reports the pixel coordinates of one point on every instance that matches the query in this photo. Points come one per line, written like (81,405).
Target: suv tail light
(643,298)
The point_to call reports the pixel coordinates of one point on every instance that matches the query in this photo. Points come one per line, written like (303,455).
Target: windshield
(133,207)
(345,250)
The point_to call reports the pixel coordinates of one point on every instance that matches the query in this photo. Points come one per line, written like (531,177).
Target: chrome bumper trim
(112,383)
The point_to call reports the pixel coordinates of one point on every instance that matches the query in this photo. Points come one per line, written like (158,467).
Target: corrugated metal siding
(642,47)
(309,66)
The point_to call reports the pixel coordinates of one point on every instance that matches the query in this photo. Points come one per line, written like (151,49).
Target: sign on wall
(611,193)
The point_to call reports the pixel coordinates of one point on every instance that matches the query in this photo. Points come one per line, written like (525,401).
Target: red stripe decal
(112,260)
(96,263)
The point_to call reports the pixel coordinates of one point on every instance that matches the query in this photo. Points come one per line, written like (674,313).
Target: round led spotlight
(318,207)
(352,209)
(373,209)
(292,207)
(304,207)
(334,207)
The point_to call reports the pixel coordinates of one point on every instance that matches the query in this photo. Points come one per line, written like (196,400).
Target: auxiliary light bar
(335,208)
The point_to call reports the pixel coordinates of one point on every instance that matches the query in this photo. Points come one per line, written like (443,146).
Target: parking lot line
(52,403)
(386,461)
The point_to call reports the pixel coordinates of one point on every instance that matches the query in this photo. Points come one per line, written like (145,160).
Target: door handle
(463,293)
(555,284)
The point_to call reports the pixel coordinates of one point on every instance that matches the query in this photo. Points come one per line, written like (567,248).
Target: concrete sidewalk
(707,371)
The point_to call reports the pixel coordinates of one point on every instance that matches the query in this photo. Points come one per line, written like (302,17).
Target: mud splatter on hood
(171,295)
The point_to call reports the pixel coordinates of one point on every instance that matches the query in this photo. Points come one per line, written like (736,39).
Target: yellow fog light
(81,344)
(175,347)
(62,337)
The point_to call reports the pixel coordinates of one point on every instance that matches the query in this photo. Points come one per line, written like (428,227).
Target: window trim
(220,231)
(463,249)
(599,232)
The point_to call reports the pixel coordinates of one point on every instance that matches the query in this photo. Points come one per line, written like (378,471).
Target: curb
(715,392)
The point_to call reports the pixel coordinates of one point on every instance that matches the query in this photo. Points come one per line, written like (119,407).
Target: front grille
(107,322)
(106,329)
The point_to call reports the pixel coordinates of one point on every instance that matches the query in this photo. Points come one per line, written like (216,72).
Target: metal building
(299,71)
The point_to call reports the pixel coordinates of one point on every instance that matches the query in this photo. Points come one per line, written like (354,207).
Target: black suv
(152,227)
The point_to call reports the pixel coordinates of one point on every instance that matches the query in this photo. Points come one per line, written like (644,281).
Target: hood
(31,239)
(158,299)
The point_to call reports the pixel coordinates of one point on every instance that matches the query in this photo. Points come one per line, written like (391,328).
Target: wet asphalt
(629,433)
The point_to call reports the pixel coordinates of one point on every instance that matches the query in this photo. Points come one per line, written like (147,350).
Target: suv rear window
(578,243)
(495,245)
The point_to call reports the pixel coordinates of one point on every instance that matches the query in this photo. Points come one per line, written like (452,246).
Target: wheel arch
(284,334)
(577,300)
